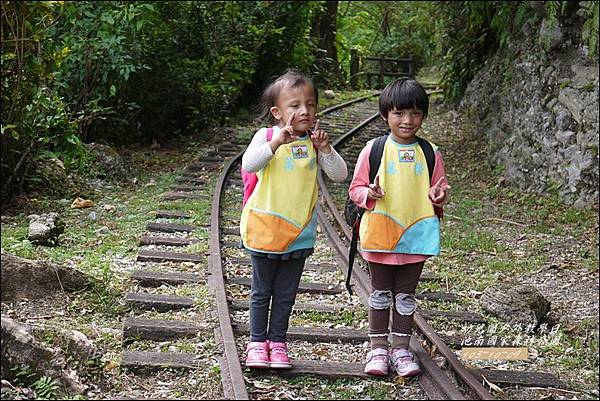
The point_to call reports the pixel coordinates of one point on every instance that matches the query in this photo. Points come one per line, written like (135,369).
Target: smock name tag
(406,155)
(300,152)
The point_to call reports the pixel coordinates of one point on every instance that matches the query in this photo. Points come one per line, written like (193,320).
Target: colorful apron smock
(403,221)
(280,215)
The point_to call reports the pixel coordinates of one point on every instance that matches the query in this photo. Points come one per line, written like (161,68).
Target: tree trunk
(324,31)
(385,21)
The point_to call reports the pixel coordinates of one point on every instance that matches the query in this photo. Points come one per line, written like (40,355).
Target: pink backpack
(250,179)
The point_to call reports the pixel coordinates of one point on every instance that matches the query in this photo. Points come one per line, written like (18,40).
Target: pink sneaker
(257,355)
(404,363)
(377,362)
(278,355)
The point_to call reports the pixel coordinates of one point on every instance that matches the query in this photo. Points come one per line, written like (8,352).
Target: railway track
(326,321)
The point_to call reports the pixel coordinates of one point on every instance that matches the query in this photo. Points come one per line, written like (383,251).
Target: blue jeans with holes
(275,282)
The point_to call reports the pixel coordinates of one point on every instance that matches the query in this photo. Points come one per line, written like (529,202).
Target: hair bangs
(291,77)
(403,94)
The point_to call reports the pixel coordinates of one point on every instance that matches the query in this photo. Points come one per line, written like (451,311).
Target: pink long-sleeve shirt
(359,188)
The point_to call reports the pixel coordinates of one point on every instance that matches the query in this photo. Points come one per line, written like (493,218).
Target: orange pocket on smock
(382,233)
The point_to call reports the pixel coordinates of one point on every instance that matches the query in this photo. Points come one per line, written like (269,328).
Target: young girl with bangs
(278,222)
(400,227)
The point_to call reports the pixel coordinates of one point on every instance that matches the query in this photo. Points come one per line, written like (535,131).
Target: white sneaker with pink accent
(403,362)
(377,362)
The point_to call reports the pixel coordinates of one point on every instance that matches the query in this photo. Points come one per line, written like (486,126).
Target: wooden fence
(362,68)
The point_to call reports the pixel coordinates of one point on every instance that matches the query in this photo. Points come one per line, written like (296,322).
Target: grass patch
(346,318)
(102,241)
(463,240)
(341,97)
(201,344)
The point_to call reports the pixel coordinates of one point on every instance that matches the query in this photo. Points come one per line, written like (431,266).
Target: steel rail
(458,367)
(348,103)
(234,367)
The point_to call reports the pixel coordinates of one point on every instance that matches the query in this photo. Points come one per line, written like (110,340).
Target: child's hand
(320,139)
(286,134)
(439,191)
(375,191)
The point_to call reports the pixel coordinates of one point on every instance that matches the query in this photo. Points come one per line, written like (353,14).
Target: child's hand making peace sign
(375,191)
(439,191)
(320,139)
(286,134)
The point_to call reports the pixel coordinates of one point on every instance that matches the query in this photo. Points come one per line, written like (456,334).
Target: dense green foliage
(205,59)
(456,37)
(118,72)
(393,29)
(60,66)
(101,45)
(474,30)
(75,72)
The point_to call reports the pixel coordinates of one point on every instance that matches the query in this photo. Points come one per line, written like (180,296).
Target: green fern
(523,13)
(23,374)
(589,31)
(46,388)
(552,8)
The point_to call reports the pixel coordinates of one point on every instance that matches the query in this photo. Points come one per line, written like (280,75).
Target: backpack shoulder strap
(429,154)
(375,156)
(269,134)
(374,161)
(430,157)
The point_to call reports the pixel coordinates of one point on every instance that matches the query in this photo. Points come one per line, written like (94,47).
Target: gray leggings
(276,280)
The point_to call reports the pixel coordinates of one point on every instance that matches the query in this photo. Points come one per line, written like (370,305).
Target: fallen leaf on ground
(111,365)
(81,203)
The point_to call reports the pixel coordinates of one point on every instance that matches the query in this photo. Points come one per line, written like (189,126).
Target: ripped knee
(380,299)
(406,304)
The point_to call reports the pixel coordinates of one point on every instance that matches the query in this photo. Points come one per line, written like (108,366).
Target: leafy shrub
(34,118)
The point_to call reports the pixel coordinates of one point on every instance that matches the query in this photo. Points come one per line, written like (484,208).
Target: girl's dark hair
(403,94)
(269,96)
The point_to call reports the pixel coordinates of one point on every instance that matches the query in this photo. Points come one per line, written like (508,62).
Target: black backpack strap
(375,156)
(351,255)
(430,158)
(429,155)
(374,162)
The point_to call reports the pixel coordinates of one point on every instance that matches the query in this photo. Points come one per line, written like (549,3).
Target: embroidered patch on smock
(300,152)
(406,155)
